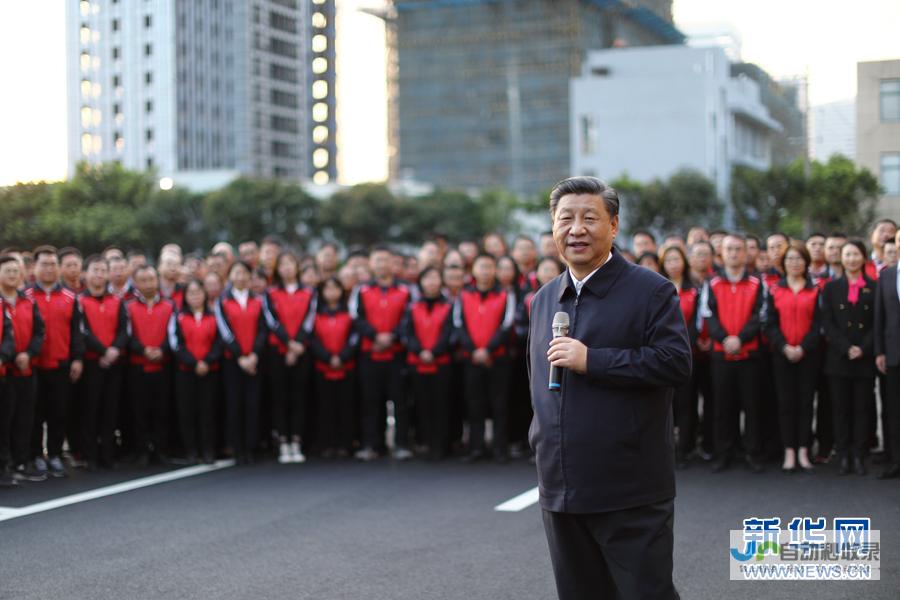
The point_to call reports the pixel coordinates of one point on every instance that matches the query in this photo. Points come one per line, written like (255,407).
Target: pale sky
(822,38)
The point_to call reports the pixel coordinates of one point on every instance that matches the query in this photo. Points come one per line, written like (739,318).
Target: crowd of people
(121,357)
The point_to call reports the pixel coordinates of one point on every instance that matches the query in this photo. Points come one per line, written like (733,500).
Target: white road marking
(520,502)
(7,513)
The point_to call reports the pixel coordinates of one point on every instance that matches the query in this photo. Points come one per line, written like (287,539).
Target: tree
(686,199)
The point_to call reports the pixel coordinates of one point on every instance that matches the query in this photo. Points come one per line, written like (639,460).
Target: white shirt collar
(580,283)
(241,296)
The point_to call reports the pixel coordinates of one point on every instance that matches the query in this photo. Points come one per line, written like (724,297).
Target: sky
(823,39)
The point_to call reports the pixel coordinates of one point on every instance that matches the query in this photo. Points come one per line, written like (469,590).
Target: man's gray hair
(586,185)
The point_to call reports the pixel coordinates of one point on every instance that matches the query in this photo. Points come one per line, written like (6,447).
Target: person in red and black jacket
(427,336)
(848,316)
(7,353)
(334,344)
(734,304)
(242,325)
(59,363)
(28,333)
(674,267)
(290,308)
(105,330)
(197,346)
(149,374)
(793,326)
(483,316)
(169,270)
(378,308)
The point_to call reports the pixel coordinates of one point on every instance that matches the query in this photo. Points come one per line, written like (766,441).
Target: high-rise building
(878,128)
(203,85)
(479,89)
(833,130)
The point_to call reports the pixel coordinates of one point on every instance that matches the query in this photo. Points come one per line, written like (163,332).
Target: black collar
(600,282)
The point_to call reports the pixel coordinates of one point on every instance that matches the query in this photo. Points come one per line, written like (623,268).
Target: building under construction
(479,89)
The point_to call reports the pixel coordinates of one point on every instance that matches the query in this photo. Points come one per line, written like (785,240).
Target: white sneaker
(296,455)
(284,454)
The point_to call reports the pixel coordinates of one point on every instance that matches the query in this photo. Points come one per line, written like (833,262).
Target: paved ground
(415,531)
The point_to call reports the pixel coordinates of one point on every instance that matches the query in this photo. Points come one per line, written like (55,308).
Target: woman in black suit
(848,311)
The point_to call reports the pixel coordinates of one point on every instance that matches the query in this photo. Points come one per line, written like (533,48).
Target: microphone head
(561,320)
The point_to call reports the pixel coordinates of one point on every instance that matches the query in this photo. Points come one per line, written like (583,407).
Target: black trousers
(890,409)
(795,384)
(6,408)
(851,398)
(100,392)
(769,438)
(486,393)
(736,386)
(241,408)
(520,411)
(824,412)
(150,409)
(195,398)
(75,418)
(381,381)
(335,412)
(18,419)
(701,386)
(432,398)
(52,399)
(289,391)
(622,554)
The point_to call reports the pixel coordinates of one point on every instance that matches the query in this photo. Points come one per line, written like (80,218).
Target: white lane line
(7,513)
(520,502)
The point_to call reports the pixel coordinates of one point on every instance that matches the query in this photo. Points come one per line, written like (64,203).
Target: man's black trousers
(617,555)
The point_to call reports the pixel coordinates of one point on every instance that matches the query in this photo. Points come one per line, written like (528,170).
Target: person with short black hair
(105,330)
(149,375)
(642,241)
(242,325)
(195,342)
(7,353)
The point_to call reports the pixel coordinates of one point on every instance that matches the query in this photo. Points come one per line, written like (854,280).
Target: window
(117,109)
(148,77)
(890,173)
(321,177)
(285,99)
(319,43)
(320,158)
(287,124)
(283,73)
(148,21)
(319,21)
(148,49)
(116,53)
(117,81)
(890,100)
(149,162)
(148,106)
(319,65)
(283,48)
(320,134)
(320,112)
(320,89)
(588,134)
(115,24)
(282,22)
(148,135)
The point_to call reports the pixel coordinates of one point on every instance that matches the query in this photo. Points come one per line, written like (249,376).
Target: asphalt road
(416,530)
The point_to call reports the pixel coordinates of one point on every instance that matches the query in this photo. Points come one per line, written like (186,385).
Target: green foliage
(686,199)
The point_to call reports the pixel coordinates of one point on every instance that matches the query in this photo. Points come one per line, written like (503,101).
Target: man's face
(71,267)
(10,273)
(548,246)
(429,255)
(524,252)
(583,230)
(118,270)
(327,259)
(700,258)
(484,271)
(46,269)
(268,254)
(249,252)
(776,246)
(98,274)
(882,233)
(147,282)
(380,263)
(642,243)
(169,267)
(734,252)
(833,250)
(816,248)
(752,251)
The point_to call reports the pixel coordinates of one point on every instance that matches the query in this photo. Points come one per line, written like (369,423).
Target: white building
(183,85)
(652,111)
(833,130)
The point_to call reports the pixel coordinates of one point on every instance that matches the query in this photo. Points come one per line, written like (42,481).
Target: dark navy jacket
(605,441)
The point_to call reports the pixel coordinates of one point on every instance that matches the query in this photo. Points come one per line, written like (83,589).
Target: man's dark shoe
(844,469)
(473,456)
(720,465)
(891,472)
(859,466)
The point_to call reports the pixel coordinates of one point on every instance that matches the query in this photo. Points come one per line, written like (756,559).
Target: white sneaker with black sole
(284,454)
(297,455)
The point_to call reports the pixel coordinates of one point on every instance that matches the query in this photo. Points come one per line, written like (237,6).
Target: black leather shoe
(754,465)
(721,465)
(859,467)
(891,472)
(473,456)
(789,471)
(844,469)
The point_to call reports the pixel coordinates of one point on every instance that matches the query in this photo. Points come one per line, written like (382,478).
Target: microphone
(560,329)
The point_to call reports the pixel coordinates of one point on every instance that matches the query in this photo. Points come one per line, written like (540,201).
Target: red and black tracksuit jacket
(194,339)
(104,324)
(63,341)
(289,315)
(243,330)
(429,326)
(334,333)
(734,309)
(148,324)
(378,309)
(27,330)
(794,318)
(689,299)
(7,339)
(483,319)
(176,295)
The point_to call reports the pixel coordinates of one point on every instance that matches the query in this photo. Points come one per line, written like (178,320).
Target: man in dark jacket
(603,442)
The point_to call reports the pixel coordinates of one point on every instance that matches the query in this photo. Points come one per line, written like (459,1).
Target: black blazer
(604,441)
(887,317)
(848,325)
